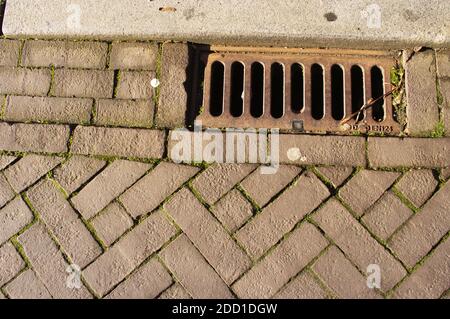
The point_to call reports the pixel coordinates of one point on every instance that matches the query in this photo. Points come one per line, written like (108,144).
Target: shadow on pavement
(2,12)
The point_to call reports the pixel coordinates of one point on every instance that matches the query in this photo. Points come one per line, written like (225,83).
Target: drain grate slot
(317,92)
(257,90)
(337,92)
(237,89)
(311,90)
(377,90)
(297,88)
(2,14)
(358,98)
(277,90)
(217,88)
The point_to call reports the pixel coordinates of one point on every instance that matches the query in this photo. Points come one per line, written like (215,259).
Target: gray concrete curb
(310,23)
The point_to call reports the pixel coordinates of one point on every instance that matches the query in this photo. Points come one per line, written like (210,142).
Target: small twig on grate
(369,104)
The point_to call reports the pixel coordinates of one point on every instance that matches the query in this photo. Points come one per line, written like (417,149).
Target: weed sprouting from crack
(397,76)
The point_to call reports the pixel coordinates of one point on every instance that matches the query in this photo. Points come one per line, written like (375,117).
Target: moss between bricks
(52,81)
(439,130)
(2,107)
(398,97)
(108,56)
(439,96)
(404,200)
(117,75)
(19,248)
(22,45)
(157,90)
(255,207)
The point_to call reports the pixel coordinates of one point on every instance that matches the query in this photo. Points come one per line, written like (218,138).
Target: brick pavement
(86,178)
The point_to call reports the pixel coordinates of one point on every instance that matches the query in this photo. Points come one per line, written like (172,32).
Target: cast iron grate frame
(374,68)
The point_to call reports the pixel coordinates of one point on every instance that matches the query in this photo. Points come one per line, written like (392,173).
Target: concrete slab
(309,23)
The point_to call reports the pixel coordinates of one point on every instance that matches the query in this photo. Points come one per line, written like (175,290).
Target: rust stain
(303,120)
(167,9)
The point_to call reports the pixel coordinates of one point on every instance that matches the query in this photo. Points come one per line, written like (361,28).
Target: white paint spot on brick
(294,154)
(155,83)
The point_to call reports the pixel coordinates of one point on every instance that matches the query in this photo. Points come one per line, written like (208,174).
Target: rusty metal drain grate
(299,89)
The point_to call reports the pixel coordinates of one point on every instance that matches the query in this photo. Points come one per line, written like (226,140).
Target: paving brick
(357,244)
(27,286)
(409,152)
(233,210)
(176,291)
(76,171)
(444,88)
(322,150)
(443,63)
(243,147)
(6,192)
(173,99)
(128,113)
(208,236)
(336,175)
(431,280)
(56,212)
(24,81)
(133,56)
(69,54)
(237,147)
(10,263)
(106,186)
(386,216)
(342,277)
(365,188)
(420,83)
(135,85)
(49,264)
(304,286)
(446,173)
(262,187)
(424,229)
(146,283)
(29,169)
(48,109)
(9,52)
(218,179)
(13,217)
(284,262)
(118,142)
(130,251)
(2,105)
(418,186)
(192,270)
(445,109)
(83,83)
(152,189)
(34,138)
(5,160)
(268,227)
(112,223)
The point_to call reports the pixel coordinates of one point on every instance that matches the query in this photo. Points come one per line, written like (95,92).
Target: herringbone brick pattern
(164,230)
(89,186)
